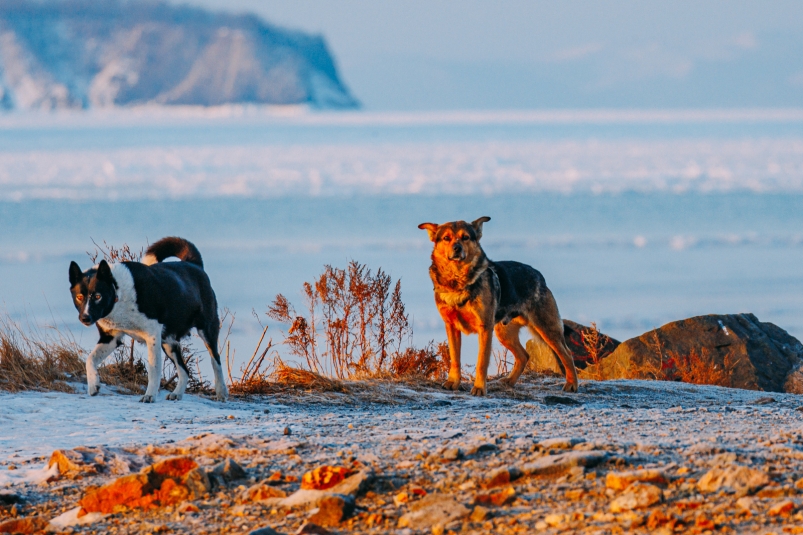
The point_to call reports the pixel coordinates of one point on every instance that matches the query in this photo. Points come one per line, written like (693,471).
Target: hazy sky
(418,54)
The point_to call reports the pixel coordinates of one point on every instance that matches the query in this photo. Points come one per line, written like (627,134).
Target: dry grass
(593,345)
(696,368)
(33,360)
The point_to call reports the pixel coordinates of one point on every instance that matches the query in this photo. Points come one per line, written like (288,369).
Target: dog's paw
(478,391)
(507,381)
(146,399)
(93,390)
(172,396)
(570,387)
(451,384)
(221,397)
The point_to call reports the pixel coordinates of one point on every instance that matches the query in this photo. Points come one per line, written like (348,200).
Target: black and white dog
(154,302)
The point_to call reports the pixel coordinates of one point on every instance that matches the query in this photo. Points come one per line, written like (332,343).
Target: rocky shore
(621,456)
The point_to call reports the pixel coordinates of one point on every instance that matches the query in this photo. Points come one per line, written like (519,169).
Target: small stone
(555,519)
(310,528)
(562,443)
(784,508)
(261,492)
(401,498)
(355,484)
(563,462)
(433,509)
(764,401)
(503,497)
(637,496)
(228,471)
(621,480)
(264,531)
(438,529)
(735,477)
(479,514)
(23,526)
(70,463)
(451,454)
(746,504)
(188,508)
(501,476)
(332,510)
(10,498)
(287,431)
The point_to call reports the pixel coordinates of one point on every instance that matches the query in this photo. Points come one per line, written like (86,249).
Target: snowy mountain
(84,53)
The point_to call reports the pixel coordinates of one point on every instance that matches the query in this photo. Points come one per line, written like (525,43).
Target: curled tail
(173,246)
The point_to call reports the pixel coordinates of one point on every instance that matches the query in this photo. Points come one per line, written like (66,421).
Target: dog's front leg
(455,340)
(106,344)
(154,343)
(483,359)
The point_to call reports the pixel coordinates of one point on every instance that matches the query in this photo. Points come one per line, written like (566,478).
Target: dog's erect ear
(432,228)
(477,224)
(105,272)
(75,274)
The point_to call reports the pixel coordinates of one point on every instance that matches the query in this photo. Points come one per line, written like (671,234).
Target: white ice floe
(360,168)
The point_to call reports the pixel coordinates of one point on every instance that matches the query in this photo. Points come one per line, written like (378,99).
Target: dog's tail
(173,246)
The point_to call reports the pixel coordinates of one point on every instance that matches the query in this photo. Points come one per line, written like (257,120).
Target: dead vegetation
(34,360)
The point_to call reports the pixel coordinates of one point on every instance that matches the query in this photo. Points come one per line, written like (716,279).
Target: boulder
(543,359)
(735,350)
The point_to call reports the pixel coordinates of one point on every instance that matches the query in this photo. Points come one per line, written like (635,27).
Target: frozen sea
(634,218)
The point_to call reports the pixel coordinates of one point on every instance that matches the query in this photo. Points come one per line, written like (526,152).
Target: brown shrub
(354,328)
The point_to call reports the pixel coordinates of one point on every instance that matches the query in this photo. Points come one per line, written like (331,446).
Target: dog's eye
(465,237)
(79,297)
(98,297)
(447,238)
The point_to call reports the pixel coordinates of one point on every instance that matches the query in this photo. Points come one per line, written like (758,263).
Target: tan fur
(464,285)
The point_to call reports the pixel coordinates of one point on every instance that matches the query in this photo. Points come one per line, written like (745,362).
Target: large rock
(543,359)
(735,350)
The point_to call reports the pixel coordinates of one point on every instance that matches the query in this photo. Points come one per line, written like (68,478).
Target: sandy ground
(434,447)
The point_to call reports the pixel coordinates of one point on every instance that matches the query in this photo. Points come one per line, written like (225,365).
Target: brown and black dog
(476,295)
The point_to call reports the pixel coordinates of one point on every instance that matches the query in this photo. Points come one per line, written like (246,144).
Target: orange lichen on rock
(324,477)
(70,462)
(175,467)
(31,524)
(132,491)
(160,484)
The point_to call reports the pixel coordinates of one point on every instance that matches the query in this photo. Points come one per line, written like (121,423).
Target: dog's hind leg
(173,351)
(153,340)
(107,343)
(546,322)
(455,340)
(209,334)
(508,336)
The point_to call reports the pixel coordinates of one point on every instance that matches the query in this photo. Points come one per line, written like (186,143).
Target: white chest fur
(126,316)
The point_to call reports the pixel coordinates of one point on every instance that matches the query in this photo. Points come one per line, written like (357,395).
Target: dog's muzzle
(458,253)
(86,319)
